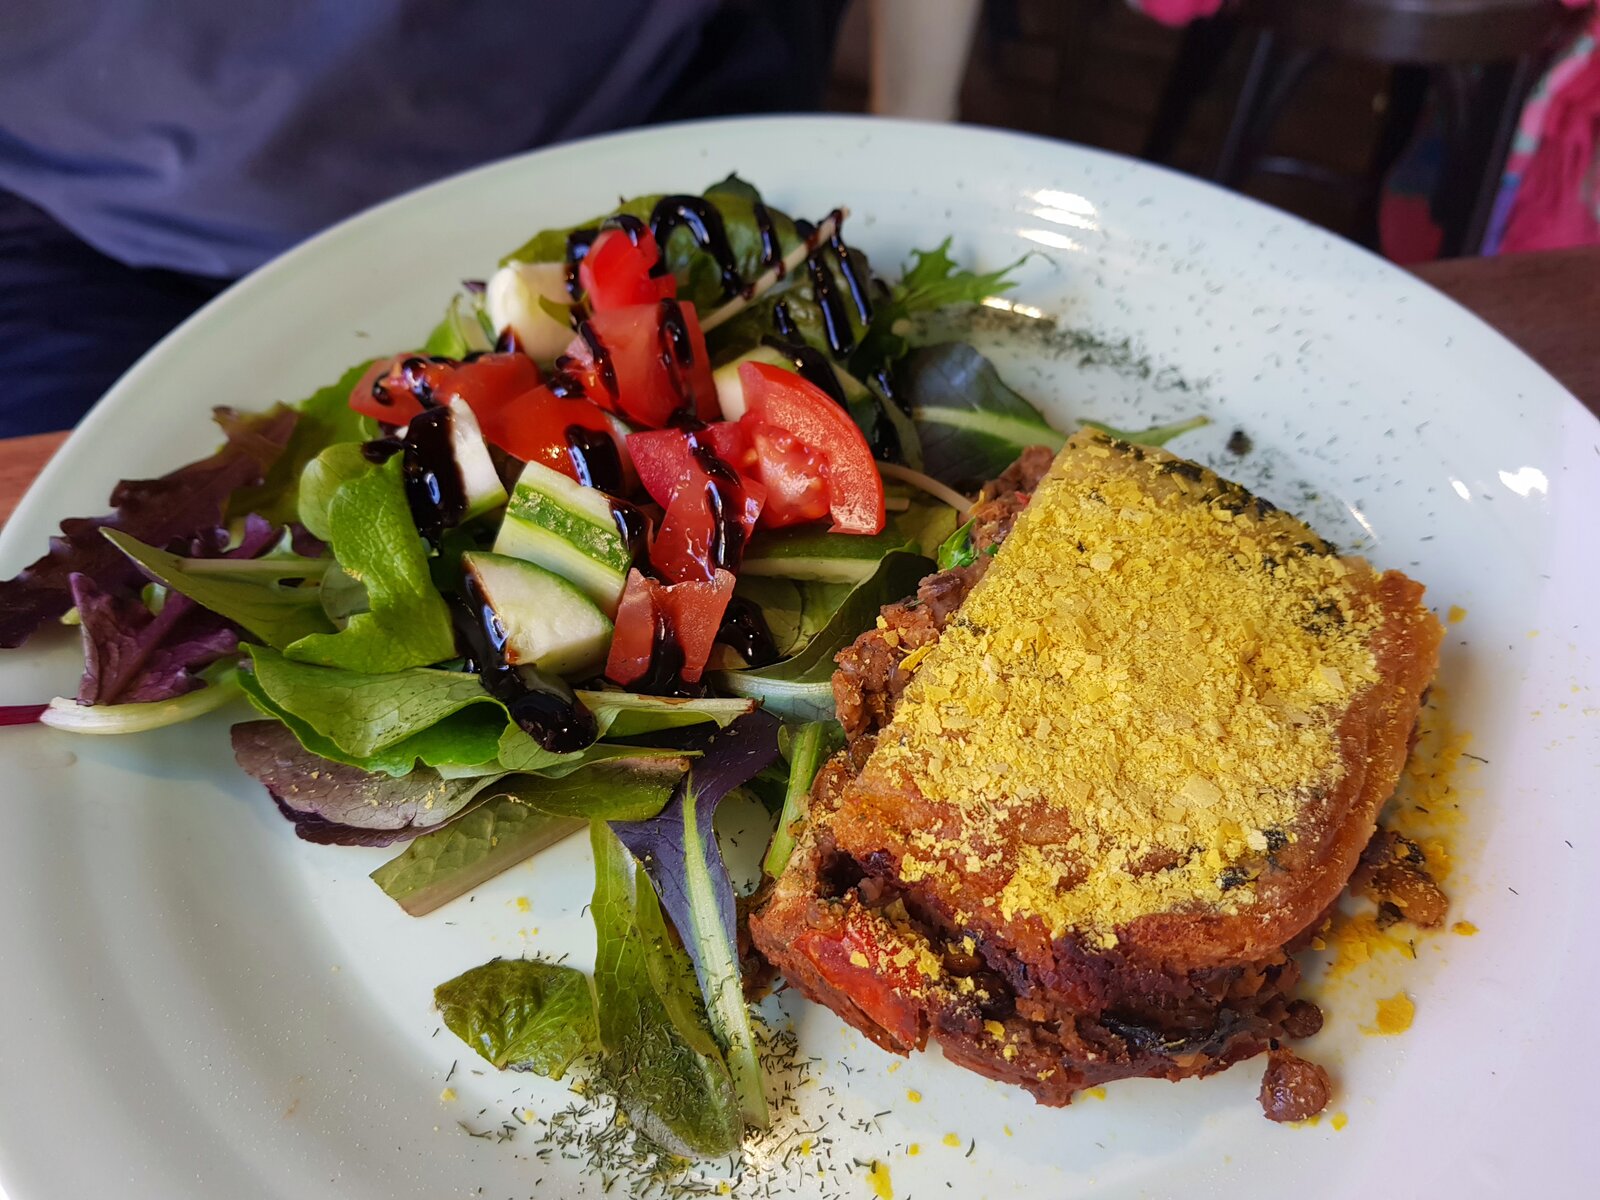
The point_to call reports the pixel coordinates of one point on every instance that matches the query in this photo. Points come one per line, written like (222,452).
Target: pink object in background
(1550,193)
(1177,12)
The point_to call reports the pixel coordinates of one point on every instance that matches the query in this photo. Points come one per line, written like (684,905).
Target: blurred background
(151,151)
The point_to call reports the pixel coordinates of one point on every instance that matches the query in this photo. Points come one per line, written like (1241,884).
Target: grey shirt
(208,135)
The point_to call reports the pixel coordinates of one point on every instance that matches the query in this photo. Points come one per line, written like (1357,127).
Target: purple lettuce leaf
(338,805)
(678,850)
(176,509)
(131,656)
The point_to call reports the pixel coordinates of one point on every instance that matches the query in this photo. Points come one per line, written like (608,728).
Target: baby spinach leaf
(631,788)
(624,714)
(254,593)
(678,850)
(971,424)
(675,1090)
(800,687)
(492,837)
(809,747)
(374,539)
(522,1014)
(325,418)
(1156,435)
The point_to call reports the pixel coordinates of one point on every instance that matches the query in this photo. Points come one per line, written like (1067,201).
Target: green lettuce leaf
(809,747)
(254,593)
(522,1014)
(660,1059)
(495,836)
(325,419)
(678,849)
(323,476)
(634,787)
(800,687)
(390,721)
(374,539)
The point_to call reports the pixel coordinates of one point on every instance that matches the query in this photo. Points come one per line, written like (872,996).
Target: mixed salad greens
(583,560)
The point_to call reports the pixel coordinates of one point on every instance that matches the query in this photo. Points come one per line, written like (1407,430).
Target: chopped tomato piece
(796,476)
(854,958)
(664,631)
(617,271)
(711,508)
(647,362)
(784,401)
(566,434)
(396,390)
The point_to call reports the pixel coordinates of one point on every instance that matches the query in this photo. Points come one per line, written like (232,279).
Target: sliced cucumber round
(548,621)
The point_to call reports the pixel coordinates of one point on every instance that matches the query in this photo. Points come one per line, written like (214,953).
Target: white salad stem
(73,717)
(765,281)
(928,484)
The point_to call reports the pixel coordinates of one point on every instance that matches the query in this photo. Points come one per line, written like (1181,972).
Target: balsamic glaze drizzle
(664,675)
(601,356)
(594,458)
(745,629)
(545,709)
(704,223)
(432,477)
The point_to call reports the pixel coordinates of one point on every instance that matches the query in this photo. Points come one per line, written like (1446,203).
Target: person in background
(152,151)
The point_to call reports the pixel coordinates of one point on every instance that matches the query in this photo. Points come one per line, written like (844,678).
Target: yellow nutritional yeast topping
(1136,700)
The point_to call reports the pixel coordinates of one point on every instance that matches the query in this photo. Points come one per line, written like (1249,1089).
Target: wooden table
(1547,303)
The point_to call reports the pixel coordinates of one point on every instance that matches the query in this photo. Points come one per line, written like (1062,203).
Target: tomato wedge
(564,433)
(783,401)
(397,389)
(858,957)
(647,362)
(664,632)
(711,508)
(616,271)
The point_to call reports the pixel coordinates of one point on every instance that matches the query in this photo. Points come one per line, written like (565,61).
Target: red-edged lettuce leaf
(678,850)
(335,804)
(177,508)
(133,656)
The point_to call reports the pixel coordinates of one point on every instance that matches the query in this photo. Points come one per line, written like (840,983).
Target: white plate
(193,1004)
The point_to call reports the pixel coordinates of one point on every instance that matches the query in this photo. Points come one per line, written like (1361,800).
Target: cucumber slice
(512,300)
(548,622)
(567,528)
(825,557)
(479,480)
(730,390)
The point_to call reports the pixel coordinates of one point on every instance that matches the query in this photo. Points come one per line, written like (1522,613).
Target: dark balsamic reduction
(704,223)
(432,477)
(633,527)
(506,343)
(381,450)
(771,251)
(725,501)
(594,458)
(664,675)
(578,243)
(825,289)
(675,349)
(847,269)
(546,710)
(745,629)
(602,357)
(630,225)
(783,322)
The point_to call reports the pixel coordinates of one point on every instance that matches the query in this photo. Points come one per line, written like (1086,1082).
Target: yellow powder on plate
(1394,1015)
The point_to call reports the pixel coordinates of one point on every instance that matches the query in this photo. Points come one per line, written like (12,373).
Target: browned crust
(1181,993)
